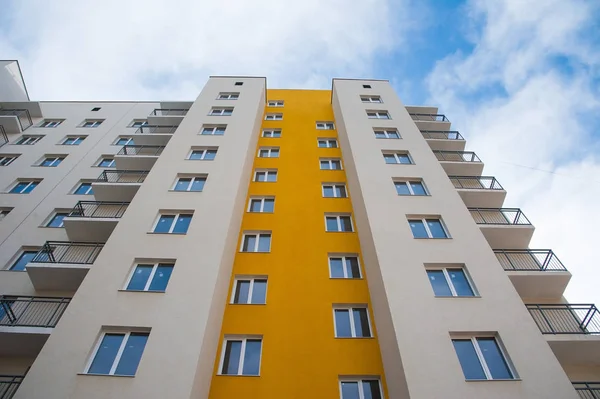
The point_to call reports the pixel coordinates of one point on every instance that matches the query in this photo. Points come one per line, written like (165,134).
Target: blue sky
(519,79)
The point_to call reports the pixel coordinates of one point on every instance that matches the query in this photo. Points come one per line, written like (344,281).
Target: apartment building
(260,243)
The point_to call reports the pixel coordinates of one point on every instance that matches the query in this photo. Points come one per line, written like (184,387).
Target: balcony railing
(22,115)
(442,135)
(510,216)
(566,318)
(169,112)
(156,129)
(99,209)
(587,390)
(84,253)
(429,117)
(3,140)
(475,182)
(31,311)
(133,150)
(122,176)
(456,156)
(9,385)
(529,260)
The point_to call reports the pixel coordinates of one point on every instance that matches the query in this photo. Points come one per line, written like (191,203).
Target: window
(386,134)
(331,164)
(84,189)
(203,154)
(427,228)
(239,83)
(241,356)
(228,96)
(24,186)
(334,191)
(256,242)
(226,111)
(268,152)
(265,176)
(139,123)
(378,115)
(52,161)
(450,281)
(481,358)
(262,205)
(150,277)
(397,158)
(366,86)
(275,103)
(327,143)
(274,117)
(124,141)
(92,123)
(370,99)
(213,130)
(175,223)
(352,322)
(51,122)
(360,389)
(249,291)
(325,126)
(411,187)
(96,109)
(106,162)
(22,260)
(118,353)
(4,212)
(339,223)
(272,133)
(344,267)
(73,140)
(6,159)
(28,140)
(57,219)
(191,183)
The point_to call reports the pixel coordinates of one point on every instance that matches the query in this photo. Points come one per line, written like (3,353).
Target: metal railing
(529,260)
(429,117)
(169,112)
(9,385)
(31,311)
(156,129)
(456,156)
(99,209)
(84,253)
(499,216)
(476,182)
(566,318)
(442,134)
(3,140)
(22,115)
(122,176)
(586,390)
(141,150)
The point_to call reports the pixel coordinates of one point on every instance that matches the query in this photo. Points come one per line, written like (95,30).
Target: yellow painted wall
(301,358)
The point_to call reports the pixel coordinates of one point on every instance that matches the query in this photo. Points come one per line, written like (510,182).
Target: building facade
(269,243)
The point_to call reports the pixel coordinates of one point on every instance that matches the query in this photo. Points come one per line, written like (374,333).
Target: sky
(519,79)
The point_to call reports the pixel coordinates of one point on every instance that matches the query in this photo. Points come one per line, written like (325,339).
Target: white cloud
(517,105)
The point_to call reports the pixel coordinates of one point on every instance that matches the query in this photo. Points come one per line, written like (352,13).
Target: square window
(28,140)
(249,291)
(228,96)
(24,257)
(96,109)
(118,353)
(386,133)
(397,158)
(150,277)
(84,188)
(274,117)
(330,164)
(7,159)
(275,103)
(366,86)
(327,143)
(268,176)
(325,126)
(334,190)
(239,83)
(450,281)
(73,140)
(261,205)
(56,220)
(427,228)
(92,123)
(373,114)
(213,130)
(268,152)
(344,266)
(51,123)
(351,322)
(256,242)
(410,187)
(190,183)
(241,356)
(338,223)
(24,186)
(203,154)
(221,111)
(482,358)
(272,133)
(366,388)
(176,223)
(52,161)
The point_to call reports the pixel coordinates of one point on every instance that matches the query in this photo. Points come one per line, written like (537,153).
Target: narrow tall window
(386,134)
(352,322)
(272,133)
(190,183)
(378,115)
(397,158)
(366,388)
(481,358)
(150,277)
(241,356)
(268,152)
(256,242)
(327,143)
(330,164)
(334,191)
(274,117)
(203,154)
(325,126)
(213,130)
(450,281)
(339,223)
(261,205)
(24,186)
(265,176)
(427,228)
(344,267)
(249,291)
(173,223)
(410,187)
(118,353)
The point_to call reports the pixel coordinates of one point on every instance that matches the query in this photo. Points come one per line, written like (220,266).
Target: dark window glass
(352,268)
(231,360)
(494,359)
(468,359)
(241,291)
(439,283)
(164,224)
(130,359)
(106,354)
(161,278)
(342,323)
(361,322)
(418,229)
(259,291)
(252,357)
(371,389)
(24,259)
(140,277)
(460,282)
(182,224)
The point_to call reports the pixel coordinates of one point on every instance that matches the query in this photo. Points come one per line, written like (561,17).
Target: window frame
(274,116)
(50,123)
(29,139)
(226,95)
(244,339)
(274,133)
(257,236)
(324,125)
(191,184)
(379,114)
(126,334)
(327,141)
(222,111)
(359,380)
(53,161)
(7,159)
(23,180)
(17,257)
(75,138)
(369,99)
(339,217)
(250,289)
(334,186)
(408,183)
(423,220)
(103,158)
(54,215)
(262,203)
(204,151)
(344,257)
(155,265)
(269,152)
(350,308)
(330,161)
(482,362)
(275,103)
(266,172)
(138,123)
(174,223)
(130,140)
(79,184)
(396,155)
(386,131)
(213,128)
(94,123)
(444,269)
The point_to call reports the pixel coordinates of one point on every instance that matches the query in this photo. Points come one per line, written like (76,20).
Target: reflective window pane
(182,224)
(24,259)
(57,220)
(361,322)
(241,291)
(106,354)
(264,243)
(269,205)
(327,191)
(404,158)
(350,390)
(210,154)
(346,223)
(342,323)
(460,282)
(352,268)
(231,360)
(439,283)
(494,359)
(331,223)
(418,188)
(418,229)
(340,191)
(255,205)
(389,158)
(252,357)
(324,164)
(164,224)
(259,291)
(468,359)
(371,389)
(435,226)
(140,277)
(161,278)
(402,188)
(336,267)
(249,243)
(134,347)
(198,184)
(182,184)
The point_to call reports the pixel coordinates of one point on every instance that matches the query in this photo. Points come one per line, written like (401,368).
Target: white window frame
(386,132)
(444,269)
(79,185)
(396,155)
(330,160)
(270,133)
(54,214)
(29,183)
(269,152)
(177,216)
(250,289)
(371,99)
(267,172)
(128,138)
(257,236)
(193,179)
(106,158)
(7,159)
(50,123)
(274,116)
(53,159)
(213,130)
(221,111)
(378,114)
(424,221)
(325,125)
(275,103)
(244,339)
(150,276)
(350,308)
(119,354)
(63,142)
(339,222)
(480,357)
(410,189)
(344,257)
(327,141)
(137,123)
(359,381)
(29,139)
(262,204)
(228,96)
(94,123)
(333,186)
(204,151)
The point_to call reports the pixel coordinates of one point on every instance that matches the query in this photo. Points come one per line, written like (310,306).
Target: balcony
(504,227)
(9,385)
(93,221)
(154,134)
(138,157)
(26,322)
(430,121)
(535,273)
(15,120)
(446,140)
(572,331)
(167,116)
(3,140)
(118,185)
(479,191)
(460,163)
(586,390)
(62,266)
